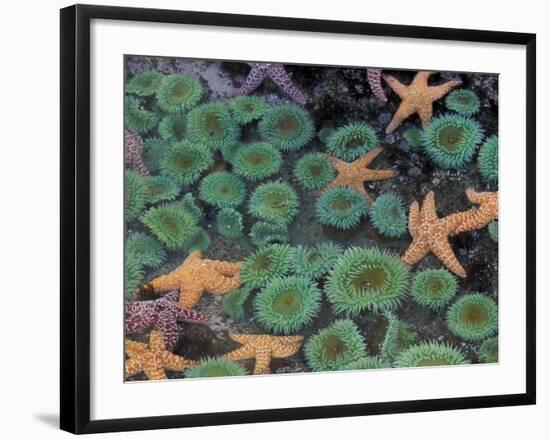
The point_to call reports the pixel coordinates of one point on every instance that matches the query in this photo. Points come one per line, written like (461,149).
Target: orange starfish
(153,359)
(263,348)
(196,276)
(417,97)
(430,233)
(354,174)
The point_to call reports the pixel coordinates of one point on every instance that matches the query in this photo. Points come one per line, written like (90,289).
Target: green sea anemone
(473,317)
(161,188)
(173,127)
(146,249)
(185,162)
(266,264)
(264,233)
(171,225)
(388,215)
(288,304)
(399,336)
(413,136)
(431,353)
(434,288)
(463,101)
(352,141)
(215,367)
(145,83)
(287,127)
(334,347)
(341,207)
(222,189)
(487,161)
(178,93)
(233,303)
(367,278)
(229,223)
(137,118)
(314,171)
(135,195)
(314,262)
(493,230)
(488,351)
(212,125)
(247,108)
(199,241)
(451,140)
(153,150)
(368,362)
(257,161)
(274,201)
(133,274)
(189,204)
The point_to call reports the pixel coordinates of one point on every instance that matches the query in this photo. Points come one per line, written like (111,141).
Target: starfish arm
(280,77)
(399,88)
(193,257)
(402,113)
(255,77)
(136,322)
(445,254)
(156,342)
(428,213)
(438,91)
(242,338)
(154,372)
(415,252)
(242,353)
(132,366)
(166,282)
(175,362)
(425,115)
(227,268)
(168,328)
(263,358)
(170,298)
(134,348)
(337,163)
(190,296)
(421,79)
(190,315)
(414,218)
(381,174)
(375,83)
(286,346)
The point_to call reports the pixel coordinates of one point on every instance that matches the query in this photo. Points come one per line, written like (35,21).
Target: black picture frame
(75,217)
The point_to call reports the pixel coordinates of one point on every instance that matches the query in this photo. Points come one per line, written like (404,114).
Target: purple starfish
(162,314)
(374,77)
(133,148)
(278,74)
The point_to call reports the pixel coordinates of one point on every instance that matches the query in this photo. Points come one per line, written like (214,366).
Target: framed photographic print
(264,208)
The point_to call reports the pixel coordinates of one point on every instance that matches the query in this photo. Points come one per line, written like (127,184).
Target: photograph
(297,218)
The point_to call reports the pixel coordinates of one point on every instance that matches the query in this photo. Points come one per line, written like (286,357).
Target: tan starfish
(417,97)
(356,173)
(196,276)
(263,348)
(430,233)
(153,358)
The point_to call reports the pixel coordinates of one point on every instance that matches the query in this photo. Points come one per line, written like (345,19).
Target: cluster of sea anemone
(274,201)
(314,171)
(171,225)
(341,207)
(473,316)
(399,336)
(352,141)
(487,160)
(233,303)
(215,367)
(256,161)
(434,288)
(245,109)
(178,93)
(135,195)
(161,188)
(212,125)
(463,101)
(314,262)
(137,118)
(488,350)
(287,127)
(265,264)
(173,127)
(388,215)
(229,223)
(428,354)
(184,162)
(264,233)
(145,249)
(222,189)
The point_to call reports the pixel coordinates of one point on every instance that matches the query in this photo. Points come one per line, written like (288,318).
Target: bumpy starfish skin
(430,233)
(263,348)
(356,173)
(418,97)
(277,72)
(153,359)
(161,314)
(374,77)
(196,276)
(477,217)
(133,148)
